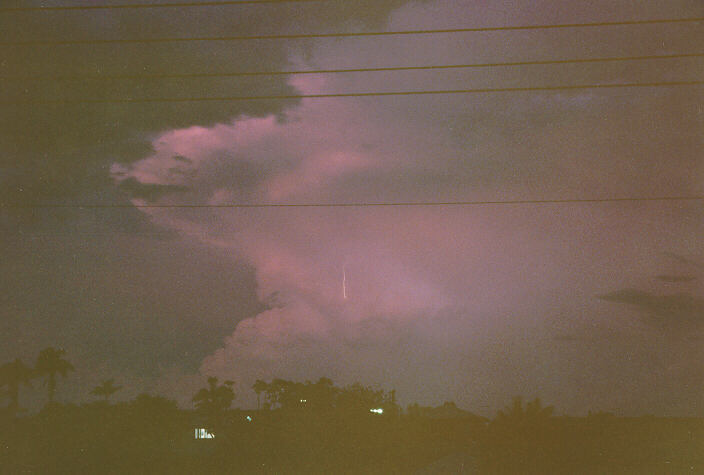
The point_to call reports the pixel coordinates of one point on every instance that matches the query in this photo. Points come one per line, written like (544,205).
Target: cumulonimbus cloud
(352,290)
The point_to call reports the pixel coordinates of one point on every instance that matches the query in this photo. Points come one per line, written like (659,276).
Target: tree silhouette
(280,393)
(105,389)
(259,387)
(358,398)
(50,362)
(214,400)
(534,413)
(322,395)
(12,375)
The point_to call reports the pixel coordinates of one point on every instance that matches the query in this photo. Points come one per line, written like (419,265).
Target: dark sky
(591,306)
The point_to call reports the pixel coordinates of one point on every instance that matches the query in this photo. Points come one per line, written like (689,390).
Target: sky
(590,306)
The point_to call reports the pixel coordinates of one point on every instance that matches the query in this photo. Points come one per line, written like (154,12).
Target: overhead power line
(147,100)
(349,70)
(129,6)
(347,35)
(371,204)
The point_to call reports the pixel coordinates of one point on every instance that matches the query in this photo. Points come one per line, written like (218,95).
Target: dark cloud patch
(675,311)
(86,224)
(92,294)
(246,174)
(148,191)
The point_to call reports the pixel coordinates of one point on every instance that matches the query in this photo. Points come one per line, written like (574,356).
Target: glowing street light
(203,434)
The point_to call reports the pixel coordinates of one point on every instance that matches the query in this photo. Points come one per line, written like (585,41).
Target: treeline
(319,427)
(151,434)
(322,395)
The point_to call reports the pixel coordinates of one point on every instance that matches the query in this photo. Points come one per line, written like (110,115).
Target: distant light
(203,434)
(377,410)
(304,400)
(249,419)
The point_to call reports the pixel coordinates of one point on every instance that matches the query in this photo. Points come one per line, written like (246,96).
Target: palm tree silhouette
(214,400)
(50,362)
(13,375)
(105,389)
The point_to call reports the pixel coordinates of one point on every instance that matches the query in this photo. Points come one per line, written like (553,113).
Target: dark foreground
(152,435)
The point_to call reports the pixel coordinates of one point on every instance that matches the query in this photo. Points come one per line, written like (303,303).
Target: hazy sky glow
(590,306)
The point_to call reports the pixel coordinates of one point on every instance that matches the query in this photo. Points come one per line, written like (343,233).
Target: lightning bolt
(344,282)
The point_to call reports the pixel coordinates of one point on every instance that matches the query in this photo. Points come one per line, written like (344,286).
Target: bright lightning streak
(344,282)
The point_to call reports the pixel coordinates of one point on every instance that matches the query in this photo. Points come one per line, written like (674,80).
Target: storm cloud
(471,303)
(497,282)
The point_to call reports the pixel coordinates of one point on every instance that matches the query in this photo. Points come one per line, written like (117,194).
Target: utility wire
(148,5)
(347,94)
(351,70)
(346,35)
(370,204)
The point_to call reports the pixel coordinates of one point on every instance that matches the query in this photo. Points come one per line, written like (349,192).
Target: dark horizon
(320,427)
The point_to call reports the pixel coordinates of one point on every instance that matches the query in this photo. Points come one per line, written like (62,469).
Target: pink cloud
(432,292)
